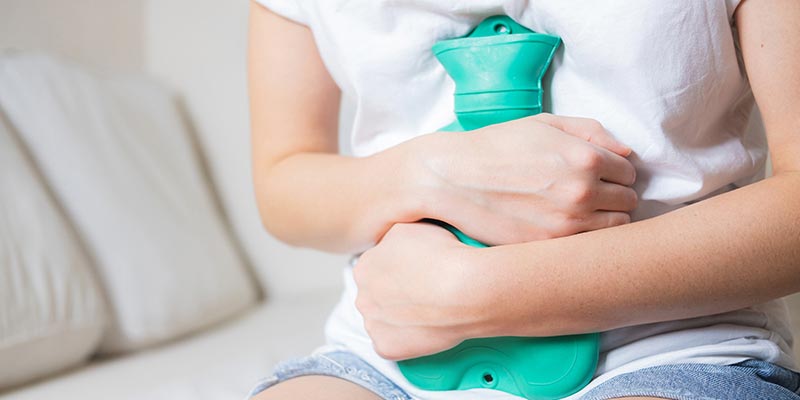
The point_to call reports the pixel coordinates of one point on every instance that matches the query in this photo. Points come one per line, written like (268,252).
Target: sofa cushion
(219,364)
(120,159)
(51,311)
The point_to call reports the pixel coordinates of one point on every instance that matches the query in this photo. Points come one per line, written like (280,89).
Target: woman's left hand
(417,292)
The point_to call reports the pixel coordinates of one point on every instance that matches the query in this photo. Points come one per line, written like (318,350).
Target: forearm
(307,194)
(731,251)
(335,203)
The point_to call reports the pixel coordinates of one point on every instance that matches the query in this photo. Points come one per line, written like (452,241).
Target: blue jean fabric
(748,380)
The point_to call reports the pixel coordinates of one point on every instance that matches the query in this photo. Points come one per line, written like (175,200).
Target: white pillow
(119,157)
(51,312)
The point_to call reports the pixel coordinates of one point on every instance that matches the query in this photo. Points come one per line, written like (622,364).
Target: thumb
(586,129)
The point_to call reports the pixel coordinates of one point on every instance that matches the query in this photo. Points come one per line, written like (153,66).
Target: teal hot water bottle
(498,70)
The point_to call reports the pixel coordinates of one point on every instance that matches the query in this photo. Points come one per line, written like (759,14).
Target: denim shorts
(750,379)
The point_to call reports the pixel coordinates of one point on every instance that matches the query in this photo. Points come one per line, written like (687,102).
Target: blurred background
(132,259)
(195,49)
(123,125)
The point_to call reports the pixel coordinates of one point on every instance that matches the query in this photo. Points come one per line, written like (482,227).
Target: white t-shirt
(664,77)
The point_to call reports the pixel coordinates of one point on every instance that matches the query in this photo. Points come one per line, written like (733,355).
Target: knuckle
(372,331)
(380,351)
(595,126)
(565,225)
(362,304)
(581,195)
(552,235)
(362,268)
(551,228)
(358,271)
(544,117)
(384,351)
(529,233)
(588,160)
(592,160)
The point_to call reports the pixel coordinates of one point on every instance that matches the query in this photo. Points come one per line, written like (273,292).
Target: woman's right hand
(534,178)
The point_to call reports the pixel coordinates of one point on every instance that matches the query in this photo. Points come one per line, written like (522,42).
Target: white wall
(198,47)
(102,33)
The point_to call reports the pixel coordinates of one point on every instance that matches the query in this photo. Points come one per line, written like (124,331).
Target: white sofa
(119,274)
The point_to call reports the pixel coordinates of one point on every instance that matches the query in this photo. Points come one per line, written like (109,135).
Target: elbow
(270,226)
(277,227)
(271,214)
(277,220)
(274,222)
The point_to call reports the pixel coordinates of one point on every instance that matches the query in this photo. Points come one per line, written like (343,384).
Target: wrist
(411,191)
(426,160)
(480,276)
(499,295)
(397,196)
(523,297)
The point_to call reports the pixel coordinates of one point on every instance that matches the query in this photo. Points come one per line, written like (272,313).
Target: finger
(616,169)
(613,197)
(364,303)
(604,219)
(586,129)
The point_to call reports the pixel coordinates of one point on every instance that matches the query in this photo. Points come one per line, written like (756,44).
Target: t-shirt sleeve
(732,5)
(291,9)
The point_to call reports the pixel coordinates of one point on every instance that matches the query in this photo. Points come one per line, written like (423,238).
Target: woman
(650,103)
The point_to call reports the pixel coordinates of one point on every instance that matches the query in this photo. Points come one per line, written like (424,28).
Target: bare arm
(307,194)
(569,174)
(728,252)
